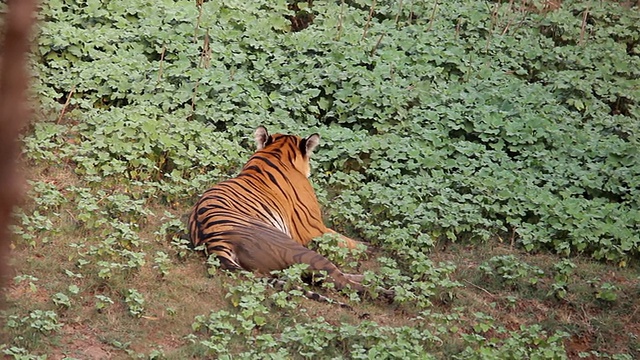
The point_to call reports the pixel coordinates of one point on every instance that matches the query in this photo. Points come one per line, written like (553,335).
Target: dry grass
(174,300)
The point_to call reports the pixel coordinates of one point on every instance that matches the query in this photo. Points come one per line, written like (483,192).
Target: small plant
(156,354)
(42,321)
(607,292)
(562,272)
(483,324)
(34,228)
(62,300)
(599,355)
(19,353)
(511,271)
(529,342)
(135,302)
(31,279)
(161,262)
(181,246)
(73,275)
(344,258)
(102,302)
(220,326)
(46,195)
(213,265)
(249,296)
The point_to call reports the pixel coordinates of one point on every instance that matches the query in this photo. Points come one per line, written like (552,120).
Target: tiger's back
(271,188)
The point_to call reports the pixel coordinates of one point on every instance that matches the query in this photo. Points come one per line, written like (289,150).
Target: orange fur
(262,219)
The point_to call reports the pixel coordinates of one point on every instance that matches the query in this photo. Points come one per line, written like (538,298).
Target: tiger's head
(297,149)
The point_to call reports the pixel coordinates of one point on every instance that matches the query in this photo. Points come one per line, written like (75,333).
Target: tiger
(263,219)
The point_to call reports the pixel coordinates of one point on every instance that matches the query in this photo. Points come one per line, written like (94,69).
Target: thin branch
(480,288)
(494,22)
(506,28)
(584,24)
(340,20)
(193,98)
(377,44)
(195,31)
(399,12)
(433,15)
(366,26)
(205,56)
(66,103)
(164,48)
(524,13)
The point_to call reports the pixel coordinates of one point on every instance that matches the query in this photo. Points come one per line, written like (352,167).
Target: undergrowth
(461,124)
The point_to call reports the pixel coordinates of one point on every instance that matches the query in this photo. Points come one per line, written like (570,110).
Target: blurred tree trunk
(14,112)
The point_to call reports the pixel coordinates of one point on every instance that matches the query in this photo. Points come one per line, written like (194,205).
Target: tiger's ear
(262,137)
(309,144)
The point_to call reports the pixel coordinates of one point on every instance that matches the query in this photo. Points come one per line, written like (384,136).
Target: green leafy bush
(440,121)
(509,270)
(480,124)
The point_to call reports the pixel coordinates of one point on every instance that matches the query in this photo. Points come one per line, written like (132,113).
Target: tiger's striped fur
(262,219)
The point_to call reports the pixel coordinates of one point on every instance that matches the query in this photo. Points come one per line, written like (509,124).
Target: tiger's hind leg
(227,262)
(226,255)
(264,249)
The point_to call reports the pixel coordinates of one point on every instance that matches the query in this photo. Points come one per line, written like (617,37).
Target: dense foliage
(440,121)
(468,118)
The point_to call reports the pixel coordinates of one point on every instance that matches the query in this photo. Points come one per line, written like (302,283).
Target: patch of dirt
(23,290)
(576,345)
(83,344)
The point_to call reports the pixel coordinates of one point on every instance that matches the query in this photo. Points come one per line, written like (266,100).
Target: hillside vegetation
(488,151)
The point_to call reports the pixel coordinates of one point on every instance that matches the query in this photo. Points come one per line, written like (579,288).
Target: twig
(366,26)
(340,20)
(512,238)
(399,12)
(164,48)
(584,24)
(105,197)
(506,28)
(523,11)
(494,22)
(377,44)
(479,288)
(66,103)
(195,31)
(433,15)
(71,214)
(193,98)
(205,56)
